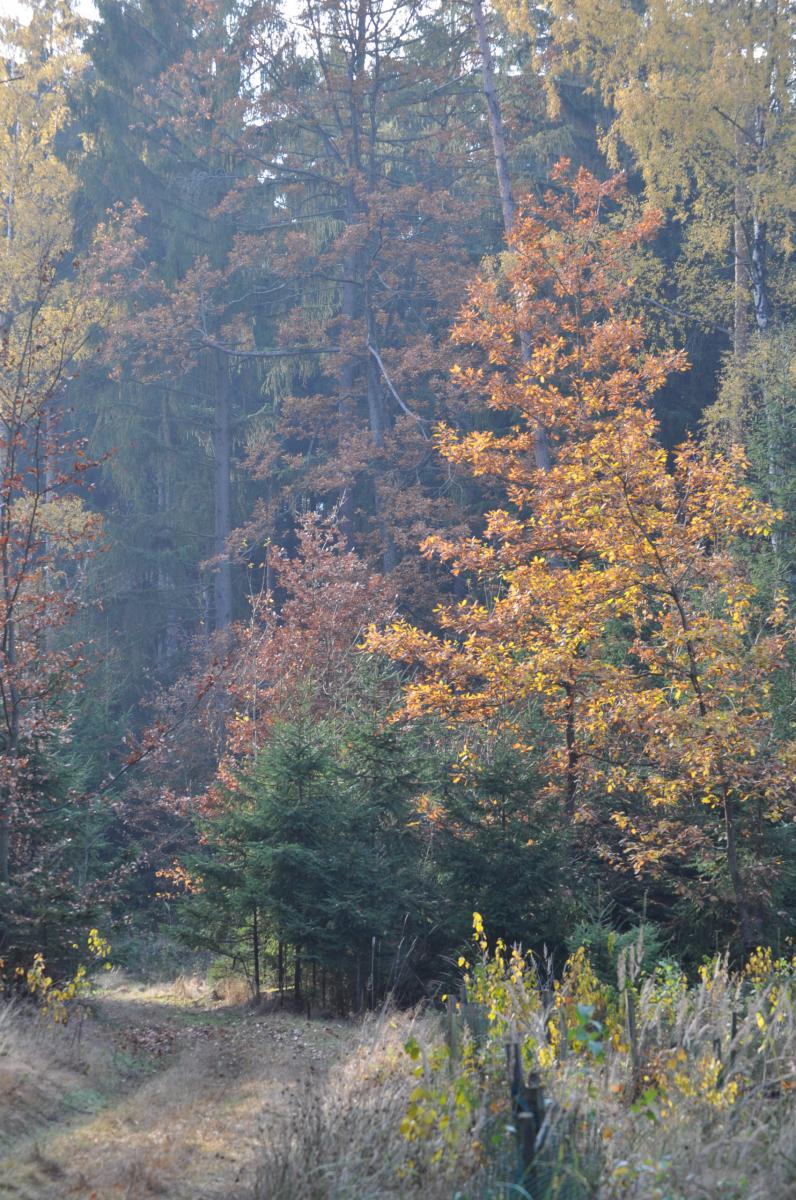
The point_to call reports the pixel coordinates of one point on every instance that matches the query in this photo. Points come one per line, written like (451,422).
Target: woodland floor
(158,1095)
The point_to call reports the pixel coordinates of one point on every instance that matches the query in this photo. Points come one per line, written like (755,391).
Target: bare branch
(284,352)
(420,420)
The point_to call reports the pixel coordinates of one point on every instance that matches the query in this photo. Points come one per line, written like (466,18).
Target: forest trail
(162,1097)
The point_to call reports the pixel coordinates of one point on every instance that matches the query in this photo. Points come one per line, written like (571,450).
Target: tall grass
(703,1108)
(341,1136)
(654,1089)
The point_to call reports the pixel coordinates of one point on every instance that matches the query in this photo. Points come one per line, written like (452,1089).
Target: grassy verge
(648,1088)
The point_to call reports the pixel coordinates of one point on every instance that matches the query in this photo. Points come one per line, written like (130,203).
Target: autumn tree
(607,589)
(300,642)
(240,389)
(298,646)
(698,101)
(359,127)
(49,306)
(700,95)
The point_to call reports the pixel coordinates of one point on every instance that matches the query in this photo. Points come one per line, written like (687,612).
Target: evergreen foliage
(236,240)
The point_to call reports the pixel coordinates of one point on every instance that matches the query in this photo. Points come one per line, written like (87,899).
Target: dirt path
(174,1100)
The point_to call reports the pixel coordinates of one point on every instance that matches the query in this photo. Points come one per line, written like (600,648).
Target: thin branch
(688,316)
(287,352)
(420,420)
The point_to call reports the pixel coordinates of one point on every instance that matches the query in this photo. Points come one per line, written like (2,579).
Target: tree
(312,847)
(308,641)
(298,649)
(49,306)
(755,408)
(356,127)
(45,320)
(170,409)
(701,96)
(609,586)
(508,208)
(254,376)
(496,843)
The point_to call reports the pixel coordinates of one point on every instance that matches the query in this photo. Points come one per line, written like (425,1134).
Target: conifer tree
(163,402)
(312,848)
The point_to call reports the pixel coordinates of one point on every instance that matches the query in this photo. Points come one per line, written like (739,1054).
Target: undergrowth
(341,1135)
(648,1088)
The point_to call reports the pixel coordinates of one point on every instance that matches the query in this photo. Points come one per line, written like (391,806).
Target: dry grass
(51,1078)
(713,1113)
(703,1109)
(162,1095)
(341,1140)
(44,1072)
(168,1092)
(232,989)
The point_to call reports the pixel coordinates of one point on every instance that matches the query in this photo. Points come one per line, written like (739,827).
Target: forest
(397,565)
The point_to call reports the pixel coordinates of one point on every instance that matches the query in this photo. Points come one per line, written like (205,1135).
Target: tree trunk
(495,117)
(372,981)
(758,275)
(572,751)
(740,288)
(749,930)
(541,448)
(758,249)
(297,975)
(11,750)
(376,415)
(741,275)
(222,467)
(280,971)
(5,835)
(345,405)
(256,953)
(11,706)
(167,642)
